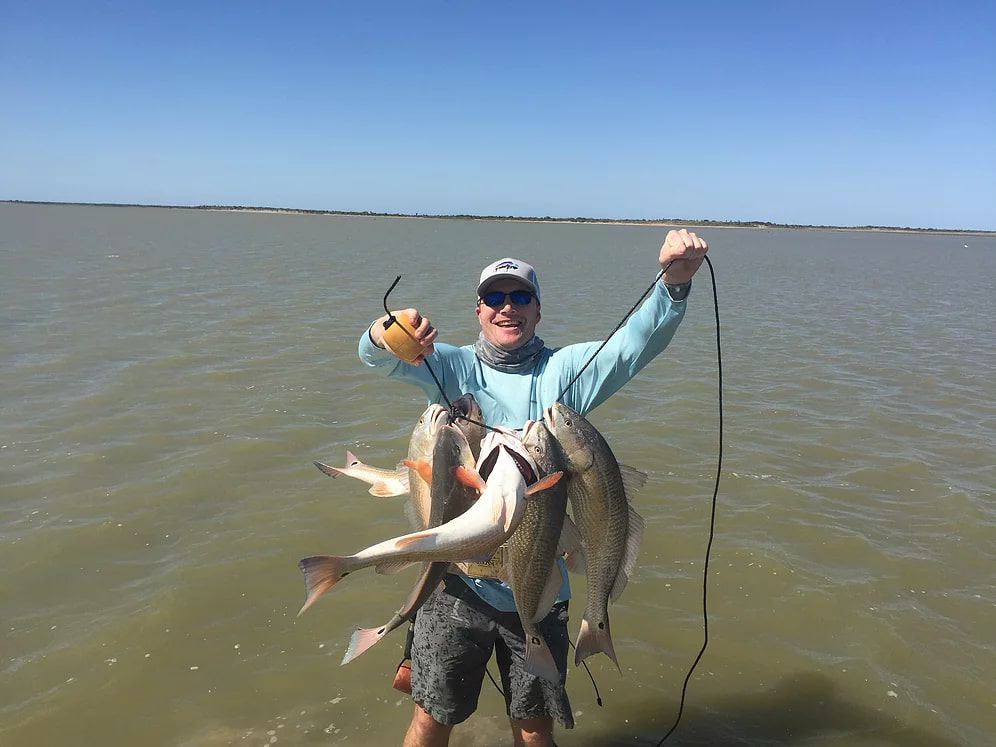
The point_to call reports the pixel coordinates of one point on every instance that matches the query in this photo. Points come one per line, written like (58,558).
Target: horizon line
(514,218)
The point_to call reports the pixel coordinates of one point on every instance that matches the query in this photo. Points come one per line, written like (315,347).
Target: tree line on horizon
(544,219)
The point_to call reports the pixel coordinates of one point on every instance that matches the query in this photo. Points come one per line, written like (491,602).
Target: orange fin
(547,482)
(321,573)
(363,639)
(469,477)
(421,467)
(402,542)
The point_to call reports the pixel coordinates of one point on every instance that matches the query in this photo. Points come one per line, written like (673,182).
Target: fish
(473,534)
(449,498)
(384,483)
(531,569)
(451,455)
(470,420)
(387,483)
(420,446)
(598,489)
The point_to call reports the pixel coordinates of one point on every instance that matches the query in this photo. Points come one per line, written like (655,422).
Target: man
(514,376)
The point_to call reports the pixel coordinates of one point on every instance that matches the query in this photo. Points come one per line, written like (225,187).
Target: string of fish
(455,413)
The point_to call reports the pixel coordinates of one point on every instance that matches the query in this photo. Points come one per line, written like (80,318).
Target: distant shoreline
(527,219)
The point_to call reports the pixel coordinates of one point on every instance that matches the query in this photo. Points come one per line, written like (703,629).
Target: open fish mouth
(548,418)
(525,468)
(487,464)
(461,405)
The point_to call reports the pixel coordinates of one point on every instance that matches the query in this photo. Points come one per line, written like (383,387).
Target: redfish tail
(361,640)
(539,659)
(594,639)
(328,469)
(321,573)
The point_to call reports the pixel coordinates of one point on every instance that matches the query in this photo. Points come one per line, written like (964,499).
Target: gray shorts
(455,633)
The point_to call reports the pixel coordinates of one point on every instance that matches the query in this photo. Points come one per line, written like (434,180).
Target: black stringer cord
(712,517)
(617,328)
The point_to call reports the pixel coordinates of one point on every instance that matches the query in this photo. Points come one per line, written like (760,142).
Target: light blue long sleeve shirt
(510,399)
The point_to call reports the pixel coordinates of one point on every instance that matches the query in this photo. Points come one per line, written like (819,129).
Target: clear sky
(842,113)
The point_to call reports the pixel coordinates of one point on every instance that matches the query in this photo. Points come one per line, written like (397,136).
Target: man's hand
(681,256)
(425,333)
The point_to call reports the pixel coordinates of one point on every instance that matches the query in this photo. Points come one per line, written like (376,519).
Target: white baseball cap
(509,267)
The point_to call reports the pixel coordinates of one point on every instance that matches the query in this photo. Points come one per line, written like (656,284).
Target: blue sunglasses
(496,299)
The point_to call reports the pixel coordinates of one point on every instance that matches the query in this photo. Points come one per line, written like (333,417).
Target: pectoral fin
(421,467)
(469,477)
(547,482)
(499,512)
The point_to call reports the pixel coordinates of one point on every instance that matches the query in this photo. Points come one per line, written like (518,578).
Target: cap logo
(506,266)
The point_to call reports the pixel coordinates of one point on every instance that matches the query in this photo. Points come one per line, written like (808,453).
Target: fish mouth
(487,464)
(438,418)
(548,418)
(529,427)
(525,469)
(462,405)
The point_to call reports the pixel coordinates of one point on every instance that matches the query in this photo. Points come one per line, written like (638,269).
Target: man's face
(509,326)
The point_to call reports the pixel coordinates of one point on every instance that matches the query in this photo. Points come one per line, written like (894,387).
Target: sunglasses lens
(496,299)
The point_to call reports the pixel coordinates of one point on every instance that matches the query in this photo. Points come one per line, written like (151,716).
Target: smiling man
(514,376)
(508,305)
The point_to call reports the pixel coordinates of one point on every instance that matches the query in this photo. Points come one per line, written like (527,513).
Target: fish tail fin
(351,460)
(321,573)
(539,659)
(362,639)
(328,469)
(593,639)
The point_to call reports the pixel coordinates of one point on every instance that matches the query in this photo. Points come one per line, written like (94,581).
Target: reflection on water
(799,709)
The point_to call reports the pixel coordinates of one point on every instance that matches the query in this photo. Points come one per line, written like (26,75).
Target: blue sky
(845,113)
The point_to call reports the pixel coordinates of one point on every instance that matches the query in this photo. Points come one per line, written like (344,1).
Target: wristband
(678,292)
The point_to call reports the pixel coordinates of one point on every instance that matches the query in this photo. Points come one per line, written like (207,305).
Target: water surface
(168,376)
